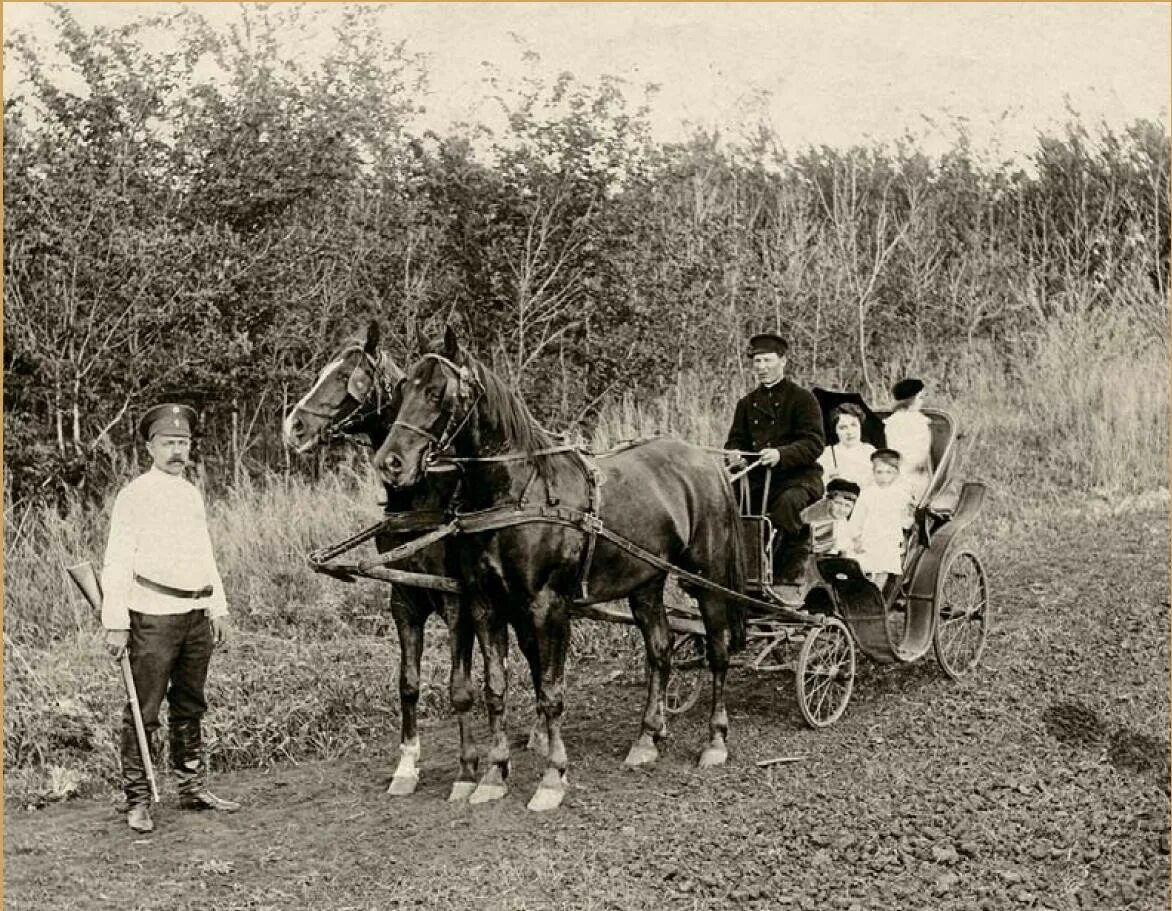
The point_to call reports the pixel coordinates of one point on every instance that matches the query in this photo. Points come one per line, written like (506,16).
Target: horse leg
(493,635)
(409,621)
(527,643)
(462,694)
(647,607)
(718,646)
(552,628)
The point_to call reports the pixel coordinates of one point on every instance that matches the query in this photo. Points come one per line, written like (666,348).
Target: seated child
(828,518)
(881,514)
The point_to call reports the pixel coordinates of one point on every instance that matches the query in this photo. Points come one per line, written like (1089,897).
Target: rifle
(86,579)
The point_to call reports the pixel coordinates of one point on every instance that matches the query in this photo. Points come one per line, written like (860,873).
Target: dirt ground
(1039,782)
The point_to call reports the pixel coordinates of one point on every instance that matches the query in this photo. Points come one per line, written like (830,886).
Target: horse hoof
(485,793)
(641,754)
(538,742)
(403,785)
(545,798)
(461,791)
(712,757)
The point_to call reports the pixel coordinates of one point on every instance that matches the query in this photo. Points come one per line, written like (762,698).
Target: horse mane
(508,414)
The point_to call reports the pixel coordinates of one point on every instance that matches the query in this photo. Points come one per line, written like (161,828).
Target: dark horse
(667,496)
(357,395)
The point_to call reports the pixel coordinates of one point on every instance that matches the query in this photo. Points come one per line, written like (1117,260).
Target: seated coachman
(782,423)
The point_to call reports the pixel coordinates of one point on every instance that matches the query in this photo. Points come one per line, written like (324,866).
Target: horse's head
(352,395)
(439,398)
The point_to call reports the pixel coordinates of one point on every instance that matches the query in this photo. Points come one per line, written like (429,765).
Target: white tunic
(877,523)
(910,434)
(159,530)
(852,463)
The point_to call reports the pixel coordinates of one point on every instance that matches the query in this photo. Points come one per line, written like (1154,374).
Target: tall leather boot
(135,783)
(190,770)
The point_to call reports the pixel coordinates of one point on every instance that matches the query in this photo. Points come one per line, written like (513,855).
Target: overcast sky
(818,73)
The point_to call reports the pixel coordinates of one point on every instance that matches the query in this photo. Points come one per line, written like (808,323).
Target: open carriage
(470,468)
(939,604)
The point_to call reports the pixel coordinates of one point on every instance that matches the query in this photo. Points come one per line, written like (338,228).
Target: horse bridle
(459,383)
(363,380)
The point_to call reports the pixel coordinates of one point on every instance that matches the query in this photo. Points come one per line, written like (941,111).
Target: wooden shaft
(144,750)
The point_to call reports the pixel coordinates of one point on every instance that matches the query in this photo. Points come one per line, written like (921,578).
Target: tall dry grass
(1084,410)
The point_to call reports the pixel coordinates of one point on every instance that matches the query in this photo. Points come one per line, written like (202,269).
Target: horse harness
(436,526)
(362,381)
(463,386)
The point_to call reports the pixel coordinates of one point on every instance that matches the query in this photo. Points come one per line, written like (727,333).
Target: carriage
(476,470)
(939,604)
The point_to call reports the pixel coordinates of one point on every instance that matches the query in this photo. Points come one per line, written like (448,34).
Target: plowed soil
(1040,781)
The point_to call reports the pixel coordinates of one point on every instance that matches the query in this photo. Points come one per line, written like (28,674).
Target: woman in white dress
(909,432)
(848,457)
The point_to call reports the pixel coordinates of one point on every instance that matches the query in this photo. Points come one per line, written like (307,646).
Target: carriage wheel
(687,673)
(962,614)
(826,673)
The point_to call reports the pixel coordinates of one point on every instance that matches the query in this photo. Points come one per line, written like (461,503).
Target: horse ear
(451,344)
(373,334)
(421,340)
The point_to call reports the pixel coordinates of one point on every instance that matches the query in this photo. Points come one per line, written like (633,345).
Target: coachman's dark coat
(787,418)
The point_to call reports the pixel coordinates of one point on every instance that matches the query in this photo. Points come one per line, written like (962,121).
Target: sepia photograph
(586,456)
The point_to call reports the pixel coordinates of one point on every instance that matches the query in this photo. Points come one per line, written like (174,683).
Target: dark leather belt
(205,592)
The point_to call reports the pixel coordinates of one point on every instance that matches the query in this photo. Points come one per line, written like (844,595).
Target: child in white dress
(883,511)
(909,432)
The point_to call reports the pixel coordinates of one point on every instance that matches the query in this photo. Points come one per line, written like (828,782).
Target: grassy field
(1082,420)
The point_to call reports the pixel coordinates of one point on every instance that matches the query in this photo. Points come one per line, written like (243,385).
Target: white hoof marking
(461,791)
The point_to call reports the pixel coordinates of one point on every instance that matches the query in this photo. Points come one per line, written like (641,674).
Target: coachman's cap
(905,389)
(169,418)
(767,343)
(842,487)
(888,456)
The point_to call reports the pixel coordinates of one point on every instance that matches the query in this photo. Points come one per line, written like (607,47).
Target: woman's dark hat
(842,486)
(890,456)
(170,418)
(767,343)
(905,389)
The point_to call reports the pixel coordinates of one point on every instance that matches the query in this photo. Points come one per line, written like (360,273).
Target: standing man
(781,421)
(163,600)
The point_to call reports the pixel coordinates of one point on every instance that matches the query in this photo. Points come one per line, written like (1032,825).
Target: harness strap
(498,517)
(594,482)
(403,551)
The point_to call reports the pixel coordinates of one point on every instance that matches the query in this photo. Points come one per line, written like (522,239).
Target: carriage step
(862,608)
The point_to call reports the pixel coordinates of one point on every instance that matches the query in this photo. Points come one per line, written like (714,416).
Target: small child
(881,514)
(828,518)
(843,495)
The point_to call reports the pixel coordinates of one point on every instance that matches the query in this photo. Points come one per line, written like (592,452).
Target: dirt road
(1040,782)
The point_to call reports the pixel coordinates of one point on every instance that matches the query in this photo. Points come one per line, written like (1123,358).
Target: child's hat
(887,456)
(842,487)
(905,389)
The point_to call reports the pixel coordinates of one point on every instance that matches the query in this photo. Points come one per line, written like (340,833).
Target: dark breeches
(169,657)
(786,505)
(785,511)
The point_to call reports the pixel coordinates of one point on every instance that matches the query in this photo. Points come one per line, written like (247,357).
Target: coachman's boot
(135,783)
(191,771)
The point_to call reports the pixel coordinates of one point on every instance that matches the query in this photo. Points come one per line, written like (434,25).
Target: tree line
(210,221)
